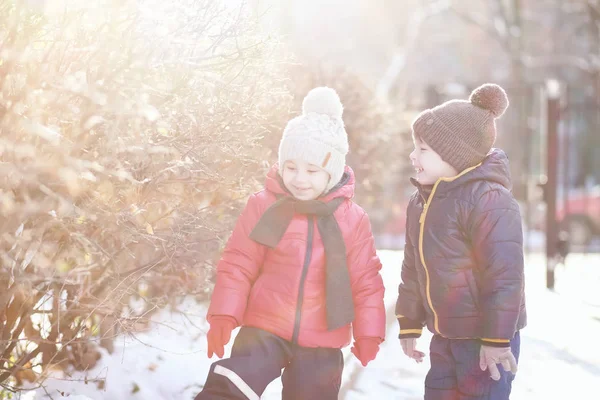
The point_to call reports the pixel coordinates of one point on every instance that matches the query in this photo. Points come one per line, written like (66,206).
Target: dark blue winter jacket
(462,273)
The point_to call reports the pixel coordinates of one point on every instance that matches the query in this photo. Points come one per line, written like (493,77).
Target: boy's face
(305,181)
(429,165)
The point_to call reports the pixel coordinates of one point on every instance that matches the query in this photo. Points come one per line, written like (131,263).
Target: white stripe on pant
(237,381)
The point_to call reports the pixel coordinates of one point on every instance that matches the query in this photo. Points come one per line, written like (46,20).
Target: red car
(580,216)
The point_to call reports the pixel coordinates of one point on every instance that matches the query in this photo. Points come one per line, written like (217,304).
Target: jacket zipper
(307,258)
(422,218)
(422,257)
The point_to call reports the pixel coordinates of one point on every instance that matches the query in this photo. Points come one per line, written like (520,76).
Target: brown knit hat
(463,132)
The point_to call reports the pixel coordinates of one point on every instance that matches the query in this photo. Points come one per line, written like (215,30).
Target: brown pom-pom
(490,97)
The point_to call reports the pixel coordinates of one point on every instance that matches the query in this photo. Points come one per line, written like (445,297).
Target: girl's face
(429,165)
(305,181)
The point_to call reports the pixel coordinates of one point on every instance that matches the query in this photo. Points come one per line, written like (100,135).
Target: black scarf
(338,291)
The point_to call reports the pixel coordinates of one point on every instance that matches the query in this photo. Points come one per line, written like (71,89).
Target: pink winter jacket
(273,290)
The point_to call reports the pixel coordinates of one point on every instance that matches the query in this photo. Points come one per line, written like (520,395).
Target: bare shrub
(129,131)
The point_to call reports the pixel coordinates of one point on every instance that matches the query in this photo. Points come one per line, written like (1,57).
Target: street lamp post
(550,188)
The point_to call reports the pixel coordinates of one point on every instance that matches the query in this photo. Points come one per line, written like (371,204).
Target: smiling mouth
(419,170)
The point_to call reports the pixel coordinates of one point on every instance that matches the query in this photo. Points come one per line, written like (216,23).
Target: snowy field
(560,353)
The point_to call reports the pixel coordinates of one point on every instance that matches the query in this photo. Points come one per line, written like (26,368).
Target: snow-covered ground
(560,352)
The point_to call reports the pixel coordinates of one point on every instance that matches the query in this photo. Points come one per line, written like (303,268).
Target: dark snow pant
(257,358)
(455,373)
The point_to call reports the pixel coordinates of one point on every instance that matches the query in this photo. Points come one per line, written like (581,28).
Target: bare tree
(406,48)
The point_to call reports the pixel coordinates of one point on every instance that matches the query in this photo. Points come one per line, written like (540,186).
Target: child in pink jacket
(299,274)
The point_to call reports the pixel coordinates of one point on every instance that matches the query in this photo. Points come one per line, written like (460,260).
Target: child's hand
(219,334)
(489,357)
(409,348)
(365,349)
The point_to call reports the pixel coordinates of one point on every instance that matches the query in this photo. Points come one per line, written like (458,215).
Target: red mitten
(219,334)
(365,349)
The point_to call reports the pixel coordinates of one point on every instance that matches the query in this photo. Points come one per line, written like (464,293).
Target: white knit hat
(318,135)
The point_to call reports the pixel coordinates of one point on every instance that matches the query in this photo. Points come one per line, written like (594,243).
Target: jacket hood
(493,168)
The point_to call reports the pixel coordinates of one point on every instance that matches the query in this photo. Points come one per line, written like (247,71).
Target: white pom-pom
(323,100)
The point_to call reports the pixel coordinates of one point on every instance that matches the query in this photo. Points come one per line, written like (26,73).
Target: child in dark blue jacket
(462,274)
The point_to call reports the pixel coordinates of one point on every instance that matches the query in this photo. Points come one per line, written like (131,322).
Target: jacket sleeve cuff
(228,318)
(409,328)
(373,339)
(495,342)
(225,301)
